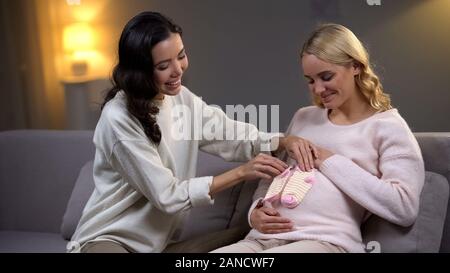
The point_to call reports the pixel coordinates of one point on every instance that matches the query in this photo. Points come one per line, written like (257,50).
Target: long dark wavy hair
(134,72)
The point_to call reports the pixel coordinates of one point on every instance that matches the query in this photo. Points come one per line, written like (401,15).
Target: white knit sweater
(377,168)
(142,190)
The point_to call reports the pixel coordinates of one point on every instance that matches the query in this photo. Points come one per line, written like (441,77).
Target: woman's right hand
(262,166)
(268,220)
(300,149)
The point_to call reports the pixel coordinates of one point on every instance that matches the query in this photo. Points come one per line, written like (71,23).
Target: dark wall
(246,52)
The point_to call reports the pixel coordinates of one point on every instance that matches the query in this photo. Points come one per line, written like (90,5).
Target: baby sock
(296,187)
(277,185)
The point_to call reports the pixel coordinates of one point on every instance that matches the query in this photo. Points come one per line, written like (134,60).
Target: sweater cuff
(199,191)
(252,207)
(331,163)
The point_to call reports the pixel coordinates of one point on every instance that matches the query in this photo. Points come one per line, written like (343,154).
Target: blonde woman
(368,161)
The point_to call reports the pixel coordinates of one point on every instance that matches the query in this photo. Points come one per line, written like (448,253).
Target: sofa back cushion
(38,170)
(425,234)
(245,200)
(206,219)
(83,189)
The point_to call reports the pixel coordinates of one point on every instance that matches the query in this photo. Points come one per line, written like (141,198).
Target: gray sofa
(46,178)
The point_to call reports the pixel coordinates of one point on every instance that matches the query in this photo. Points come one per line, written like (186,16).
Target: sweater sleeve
(230,139)
(140,165)
(395,195)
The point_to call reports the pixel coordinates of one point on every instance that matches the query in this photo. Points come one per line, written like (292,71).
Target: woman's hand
(262,166)
(300,149)
(268,220)
(323,155)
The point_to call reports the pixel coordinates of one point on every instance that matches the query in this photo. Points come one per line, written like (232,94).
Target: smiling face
(333,85)
(170,62)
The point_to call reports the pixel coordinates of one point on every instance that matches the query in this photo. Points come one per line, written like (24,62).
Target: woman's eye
(161,68)
(327,78)
(182,56)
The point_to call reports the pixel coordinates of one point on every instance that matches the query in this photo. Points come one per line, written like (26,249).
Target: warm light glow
(85,55)
(86,65)
(84,14)
(78,37)
(83,50)
(88,11)
(73,2)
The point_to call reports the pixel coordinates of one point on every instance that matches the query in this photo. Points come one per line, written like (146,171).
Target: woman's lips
(174,84)
(327,96)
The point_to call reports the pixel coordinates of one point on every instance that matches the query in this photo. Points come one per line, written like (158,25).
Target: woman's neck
(160,96)
(352,111)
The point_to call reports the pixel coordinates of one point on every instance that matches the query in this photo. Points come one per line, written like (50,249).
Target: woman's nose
(178,69)
(318,88)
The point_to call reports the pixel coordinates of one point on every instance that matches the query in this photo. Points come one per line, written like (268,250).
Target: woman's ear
(356,68)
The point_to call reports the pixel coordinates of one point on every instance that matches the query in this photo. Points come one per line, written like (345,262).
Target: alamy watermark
(73,247)
(370,247)
(373,247)
(199,121)
(373,2)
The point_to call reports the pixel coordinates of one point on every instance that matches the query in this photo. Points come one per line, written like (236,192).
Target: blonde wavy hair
(338,45)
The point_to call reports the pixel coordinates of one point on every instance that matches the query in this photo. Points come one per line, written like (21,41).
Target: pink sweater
(377,169)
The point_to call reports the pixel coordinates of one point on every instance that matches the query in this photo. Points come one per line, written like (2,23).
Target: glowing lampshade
(78,37)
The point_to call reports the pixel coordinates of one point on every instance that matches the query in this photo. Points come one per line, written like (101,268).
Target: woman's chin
(329,106)
(332,104)
(172,91)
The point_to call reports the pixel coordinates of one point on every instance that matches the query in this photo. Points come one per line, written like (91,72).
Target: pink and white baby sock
(290,187)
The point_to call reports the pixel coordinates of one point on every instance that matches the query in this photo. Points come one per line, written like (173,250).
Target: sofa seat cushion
(31,242)
(426,233)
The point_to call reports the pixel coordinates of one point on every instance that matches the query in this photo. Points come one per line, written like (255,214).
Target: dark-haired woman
(144,169)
